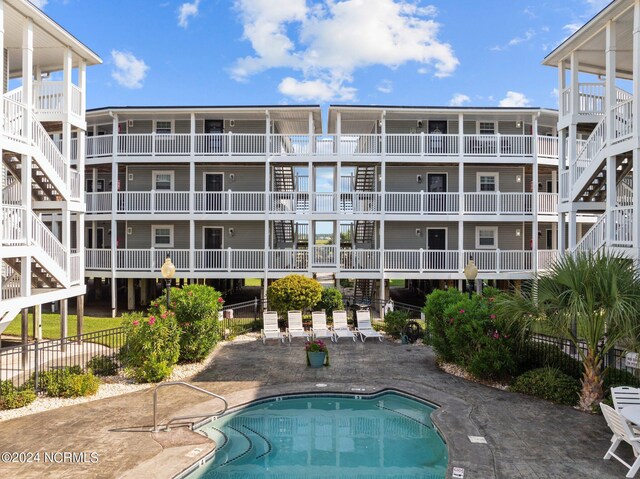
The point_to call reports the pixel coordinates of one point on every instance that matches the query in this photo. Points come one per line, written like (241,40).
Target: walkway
(527,438)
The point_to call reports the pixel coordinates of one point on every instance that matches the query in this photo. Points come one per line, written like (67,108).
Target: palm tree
(592,300)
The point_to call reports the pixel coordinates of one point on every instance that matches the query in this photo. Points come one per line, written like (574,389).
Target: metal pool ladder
(177,418)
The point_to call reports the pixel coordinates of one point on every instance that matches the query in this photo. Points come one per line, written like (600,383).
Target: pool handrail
(176,418)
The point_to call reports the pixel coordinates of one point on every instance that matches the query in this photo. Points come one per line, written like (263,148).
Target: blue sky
(255,52)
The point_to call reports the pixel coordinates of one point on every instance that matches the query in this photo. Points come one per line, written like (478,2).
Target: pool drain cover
(458,473)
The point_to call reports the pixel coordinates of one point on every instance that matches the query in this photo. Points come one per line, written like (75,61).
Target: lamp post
(168,270)
(470,272)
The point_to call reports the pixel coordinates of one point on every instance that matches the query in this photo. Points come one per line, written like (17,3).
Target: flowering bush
(196,310)
(153,345)
(317,346)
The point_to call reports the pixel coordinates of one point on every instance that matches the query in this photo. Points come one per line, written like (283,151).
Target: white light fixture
(518,179)
(418,232)
(518,232)
(232,176)
(419,178)
(232,232)
(518,124)
(419,123)
(232,123)
(129,230)
(130,176)
(130,123)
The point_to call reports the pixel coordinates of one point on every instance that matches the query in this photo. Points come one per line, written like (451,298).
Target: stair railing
(179,418)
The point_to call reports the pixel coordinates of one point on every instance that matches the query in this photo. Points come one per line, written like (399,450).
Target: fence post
(35,367)
(255,308)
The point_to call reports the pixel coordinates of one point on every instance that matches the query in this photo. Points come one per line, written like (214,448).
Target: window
(486,237)
(162,236)
(163,180)
(487,181)
(164,127)
(486,128)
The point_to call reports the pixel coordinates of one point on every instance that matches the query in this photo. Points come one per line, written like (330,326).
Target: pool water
(388,435)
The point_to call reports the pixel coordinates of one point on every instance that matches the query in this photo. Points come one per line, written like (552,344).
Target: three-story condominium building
(388,192)
(599,82)
(42,203)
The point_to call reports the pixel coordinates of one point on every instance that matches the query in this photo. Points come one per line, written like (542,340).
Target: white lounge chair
(270,329)
(295,328)
(621,432)
(625,396)
(319,327)
(340,328)
(365,329)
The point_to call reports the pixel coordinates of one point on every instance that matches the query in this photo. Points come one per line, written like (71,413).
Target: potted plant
(317,353)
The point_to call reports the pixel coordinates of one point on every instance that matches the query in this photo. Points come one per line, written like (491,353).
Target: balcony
(352,203)
(323,257)
(356,145)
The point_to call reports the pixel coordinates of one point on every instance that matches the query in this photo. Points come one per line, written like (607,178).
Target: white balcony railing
(622,218)
(547,203)
(256,144)
(99,202)
(323,257)
(497,203)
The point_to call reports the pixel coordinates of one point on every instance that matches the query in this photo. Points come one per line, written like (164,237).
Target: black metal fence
(24,363)
(241,318)
(561,353)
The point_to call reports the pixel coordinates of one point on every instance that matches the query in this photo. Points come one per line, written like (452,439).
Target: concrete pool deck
(526,437)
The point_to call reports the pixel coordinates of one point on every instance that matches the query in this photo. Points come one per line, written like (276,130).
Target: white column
(27,74)
(267,197)
(561,244)
(311,132)
(66,237)
(66,126)
(562,84)
(610,83)
(534,194)
(574,98)
(636,127)
(114,209)
(572,230)
(612,194)
(82,85)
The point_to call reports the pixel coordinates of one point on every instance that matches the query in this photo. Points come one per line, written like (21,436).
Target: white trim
(446,237)
(495,174)
(155,127)
(446,179)
(153,236)
(495,237)
(204,180)
(494,123)
(171,174)
(221,237)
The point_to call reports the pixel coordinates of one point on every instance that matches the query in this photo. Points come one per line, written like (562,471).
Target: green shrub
(548,383)
(433,310)
(69,382)
(534,355)
(293,292)
(196,309)
(152,347)
(394,323)
(102,366)
(12,397)
(618,377)
(330,300)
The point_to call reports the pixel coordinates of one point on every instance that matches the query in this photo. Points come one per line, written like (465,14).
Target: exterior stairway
(364,291)
(283,230)
(365,181)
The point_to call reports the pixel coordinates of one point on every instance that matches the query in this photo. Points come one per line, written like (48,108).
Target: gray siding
(506,177)
(247,234)
(404,179)
(140,237)
(143,177)
(507,239)
(249,178)
(402,234)
(141,126)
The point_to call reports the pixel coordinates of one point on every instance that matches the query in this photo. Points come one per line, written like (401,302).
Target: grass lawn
(252,282)
(51,325)
(396,283)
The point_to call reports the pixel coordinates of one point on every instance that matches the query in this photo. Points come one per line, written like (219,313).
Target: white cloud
(385,86)
(328,41)
(40,3)
(528,35)
(514,99)
(423,71)
(129,71)
(187,10)
(571,28)
(319,90)
(459,99)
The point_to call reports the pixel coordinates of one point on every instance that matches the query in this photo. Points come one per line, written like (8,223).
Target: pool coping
(440,423)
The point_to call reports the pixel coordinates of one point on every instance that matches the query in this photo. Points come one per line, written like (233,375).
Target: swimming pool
(321,436)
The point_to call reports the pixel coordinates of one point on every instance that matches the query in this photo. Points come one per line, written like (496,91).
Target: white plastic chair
(625,396)
(319,327)
(622,432)
(295,328)
(270,329)
(340,328)
(365,329)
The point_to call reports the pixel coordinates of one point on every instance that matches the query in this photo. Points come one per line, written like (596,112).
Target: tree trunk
(592,390)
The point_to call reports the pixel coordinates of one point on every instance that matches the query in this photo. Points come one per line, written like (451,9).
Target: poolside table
(632,414)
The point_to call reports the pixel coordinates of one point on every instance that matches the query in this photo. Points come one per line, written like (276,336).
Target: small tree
(293,292)
(331,299)
(196,307)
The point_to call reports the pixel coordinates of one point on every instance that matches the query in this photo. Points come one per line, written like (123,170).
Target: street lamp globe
(168,270)
(470,272)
